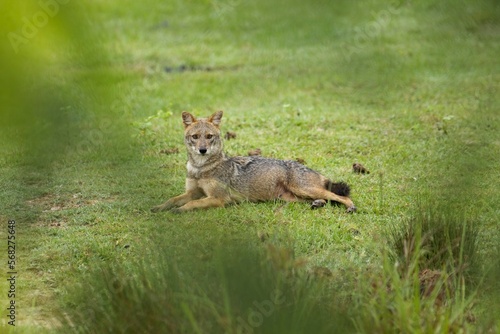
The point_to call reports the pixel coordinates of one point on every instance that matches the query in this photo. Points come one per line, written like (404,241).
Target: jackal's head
(202,136)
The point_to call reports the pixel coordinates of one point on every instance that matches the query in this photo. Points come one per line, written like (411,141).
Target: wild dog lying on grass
(214,180)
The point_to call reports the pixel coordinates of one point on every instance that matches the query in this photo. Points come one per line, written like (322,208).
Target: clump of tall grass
(426,281)
(437,240)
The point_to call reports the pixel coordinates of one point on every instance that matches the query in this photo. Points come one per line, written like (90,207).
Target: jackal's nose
(203,150)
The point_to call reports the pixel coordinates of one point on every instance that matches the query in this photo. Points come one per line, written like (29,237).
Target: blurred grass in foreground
(57,91)
(248,289)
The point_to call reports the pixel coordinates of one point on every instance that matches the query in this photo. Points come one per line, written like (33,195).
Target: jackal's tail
(339,188)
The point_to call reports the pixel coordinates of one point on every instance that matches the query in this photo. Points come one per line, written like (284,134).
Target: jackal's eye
(209,136)
(195,137)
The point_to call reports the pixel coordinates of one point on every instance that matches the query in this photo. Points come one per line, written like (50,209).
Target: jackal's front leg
(178,201)
(204,203)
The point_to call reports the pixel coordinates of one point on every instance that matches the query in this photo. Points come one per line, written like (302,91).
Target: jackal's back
(260,179)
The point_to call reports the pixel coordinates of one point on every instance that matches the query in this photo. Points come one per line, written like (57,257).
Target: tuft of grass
(418,301)
(437,240)
(429,277)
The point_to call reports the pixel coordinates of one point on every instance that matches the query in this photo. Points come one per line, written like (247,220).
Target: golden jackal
(214,180)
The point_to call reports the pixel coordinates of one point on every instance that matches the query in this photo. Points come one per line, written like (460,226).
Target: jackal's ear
(216,118)
(187,119)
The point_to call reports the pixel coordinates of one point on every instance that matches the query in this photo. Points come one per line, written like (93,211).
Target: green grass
(408,89)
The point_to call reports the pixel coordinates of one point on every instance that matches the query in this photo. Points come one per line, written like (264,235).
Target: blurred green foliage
(56,82)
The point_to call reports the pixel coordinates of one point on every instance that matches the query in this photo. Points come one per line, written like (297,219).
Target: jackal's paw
(161,207)
(319,203)
(157,208)
(351,209)
(176,210)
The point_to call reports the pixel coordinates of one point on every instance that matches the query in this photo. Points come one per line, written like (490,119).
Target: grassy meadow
(92,138)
